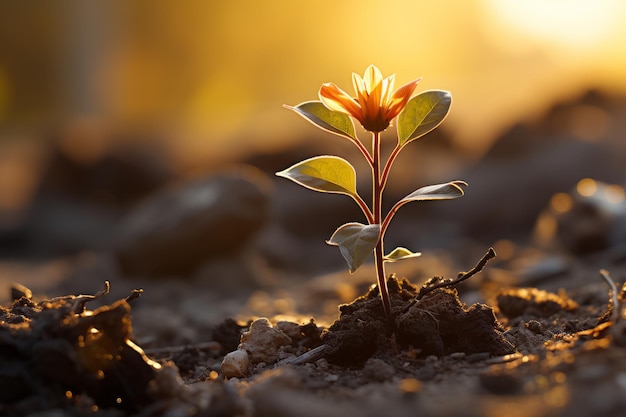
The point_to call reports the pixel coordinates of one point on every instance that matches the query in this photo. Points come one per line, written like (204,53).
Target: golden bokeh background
(209,78)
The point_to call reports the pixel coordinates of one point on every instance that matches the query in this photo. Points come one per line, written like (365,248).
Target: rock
(180,229)
(290,328)
(531,162)
(515,302)
(236,364)
(378,370)
(591,218)
(72,198)
(262,341)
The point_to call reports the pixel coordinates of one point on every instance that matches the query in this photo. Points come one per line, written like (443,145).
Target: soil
(272,329)
(534,353)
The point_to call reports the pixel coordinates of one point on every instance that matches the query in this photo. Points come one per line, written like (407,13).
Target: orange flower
(376,103)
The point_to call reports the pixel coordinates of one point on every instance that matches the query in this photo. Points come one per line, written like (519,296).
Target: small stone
(430,359)
(477,357)
(181,229)
(331,378)
(534,326)
(322,364)
(290,328)
(263,342)
(458,355)
(515,302)
(235,364)
(378,370)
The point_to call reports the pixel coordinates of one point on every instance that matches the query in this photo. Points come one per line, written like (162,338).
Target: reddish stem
(377,195)
(364,208)
(392,158)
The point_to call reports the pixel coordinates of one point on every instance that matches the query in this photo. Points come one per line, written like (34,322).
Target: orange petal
(371,108)
(400,97)
(336,99)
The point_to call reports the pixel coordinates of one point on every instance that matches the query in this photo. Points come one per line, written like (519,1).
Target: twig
(310,356)
(462,276)
(134,295)
(79,301)
(613,313)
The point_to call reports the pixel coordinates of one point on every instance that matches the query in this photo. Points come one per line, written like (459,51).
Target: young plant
(375,106)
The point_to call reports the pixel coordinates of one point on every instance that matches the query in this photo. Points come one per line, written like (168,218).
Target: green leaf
(356,242)
(326,119)
(422,114)
(327,174)
(400,253)
(445,191)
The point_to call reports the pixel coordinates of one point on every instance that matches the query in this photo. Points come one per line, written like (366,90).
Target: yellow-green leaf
(326,119)
(327,174)
(423,113)
(400,253)
(356,242)
(446,191)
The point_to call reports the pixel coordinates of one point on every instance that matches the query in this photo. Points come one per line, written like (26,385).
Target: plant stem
(377,196)
(364,208)
(387,169)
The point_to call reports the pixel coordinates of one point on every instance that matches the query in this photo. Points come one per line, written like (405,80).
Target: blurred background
(103,103)
(209,78)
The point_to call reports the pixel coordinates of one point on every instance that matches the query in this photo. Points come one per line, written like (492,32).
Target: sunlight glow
(574,23)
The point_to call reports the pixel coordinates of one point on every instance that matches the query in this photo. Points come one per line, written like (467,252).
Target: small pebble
(534,326)
(431,359)
(263,342)
(290,328)
(322,363)
(378,370)
(331,378)
(235,364)
(477,357)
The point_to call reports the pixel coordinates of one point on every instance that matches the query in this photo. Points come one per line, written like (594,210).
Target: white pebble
(236,364)
(262,342)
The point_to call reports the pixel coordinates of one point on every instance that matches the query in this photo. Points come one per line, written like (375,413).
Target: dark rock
(79,200)
(533,302)
(117,178)
(589,219)
(516,178)
(180,229)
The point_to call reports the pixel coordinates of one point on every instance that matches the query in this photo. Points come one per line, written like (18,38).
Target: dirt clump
(438,324)
(56,354)
(515,302)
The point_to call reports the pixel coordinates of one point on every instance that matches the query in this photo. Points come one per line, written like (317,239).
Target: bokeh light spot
(561,202)
(586,187)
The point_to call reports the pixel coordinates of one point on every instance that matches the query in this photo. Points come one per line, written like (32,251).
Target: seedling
(375,106)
